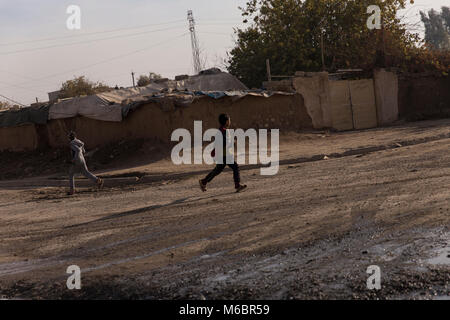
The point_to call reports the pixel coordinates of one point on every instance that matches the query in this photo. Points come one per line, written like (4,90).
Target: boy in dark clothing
(79,163)
(225,123)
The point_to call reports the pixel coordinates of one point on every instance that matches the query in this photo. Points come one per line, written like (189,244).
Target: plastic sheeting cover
(37,115)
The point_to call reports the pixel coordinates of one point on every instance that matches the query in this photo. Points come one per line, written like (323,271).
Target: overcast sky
(38,52)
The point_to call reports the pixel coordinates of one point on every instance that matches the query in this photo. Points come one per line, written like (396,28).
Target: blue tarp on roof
(13,118)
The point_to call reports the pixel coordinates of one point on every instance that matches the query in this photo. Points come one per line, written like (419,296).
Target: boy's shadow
(149,208)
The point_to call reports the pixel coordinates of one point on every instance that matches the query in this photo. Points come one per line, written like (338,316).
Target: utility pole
(194,43)
(132,75)
(381,60)
(322,49)
(384,44)
(269,76)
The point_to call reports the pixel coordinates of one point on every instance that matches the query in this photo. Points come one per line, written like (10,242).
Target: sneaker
(100,183)
(202,185)
(241,187)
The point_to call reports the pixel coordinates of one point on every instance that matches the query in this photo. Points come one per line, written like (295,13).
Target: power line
(89,34)
(216,33)
(223,20)
(114,30)
(219,24)
(20,76)
(17,75)
(87,41)
(216,22)
(100,62)
(19,87)
(111,59)
(9,99)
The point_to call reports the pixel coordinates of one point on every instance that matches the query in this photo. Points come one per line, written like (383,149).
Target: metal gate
(353,104)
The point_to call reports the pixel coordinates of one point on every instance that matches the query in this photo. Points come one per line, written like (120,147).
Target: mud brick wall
(157,121)
(423,96)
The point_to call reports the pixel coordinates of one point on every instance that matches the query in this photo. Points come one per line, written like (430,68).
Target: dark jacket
(224,141)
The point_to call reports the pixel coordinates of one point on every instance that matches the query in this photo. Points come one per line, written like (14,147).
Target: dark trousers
(219,168)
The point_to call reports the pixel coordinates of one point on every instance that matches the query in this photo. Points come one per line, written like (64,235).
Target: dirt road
(381,198)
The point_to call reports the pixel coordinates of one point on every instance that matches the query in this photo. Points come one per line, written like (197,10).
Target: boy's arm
(72,154)
(224,140)
(82,147)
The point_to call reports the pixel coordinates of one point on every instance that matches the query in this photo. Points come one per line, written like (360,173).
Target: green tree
(292,34)
(154,76)
(146,80)
(80,86)
(143,81)
(437,28)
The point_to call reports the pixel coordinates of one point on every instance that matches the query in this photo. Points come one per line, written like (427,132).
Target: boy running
(79,163)
(225,123)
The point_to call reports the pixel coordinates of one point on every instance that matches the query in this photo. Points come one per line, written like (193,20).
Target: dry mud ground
(309,232)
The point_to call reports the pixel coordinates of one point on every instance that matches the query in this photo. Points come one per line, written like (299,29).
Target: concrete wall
(315,90)
(349,104)
(386,94)
(157,121)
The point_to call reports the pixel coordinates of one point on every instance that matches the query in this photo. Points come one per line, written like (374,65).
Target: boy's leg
(72,178)
(236,174)
(87,174)
(216,171)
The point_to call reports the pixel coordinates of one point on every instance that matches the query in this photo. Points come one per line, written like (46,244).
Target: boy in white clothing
(79,163)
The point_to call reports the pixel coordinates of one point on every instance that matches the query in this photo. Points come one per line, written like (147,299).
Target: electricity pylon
(194,42)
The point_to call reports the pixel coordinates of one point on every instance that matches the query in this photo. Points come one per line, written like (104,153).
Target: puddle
(214,255)
(443,257)
(389,251)
(220,278)
(441,254)
(25,266)
(144,256)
